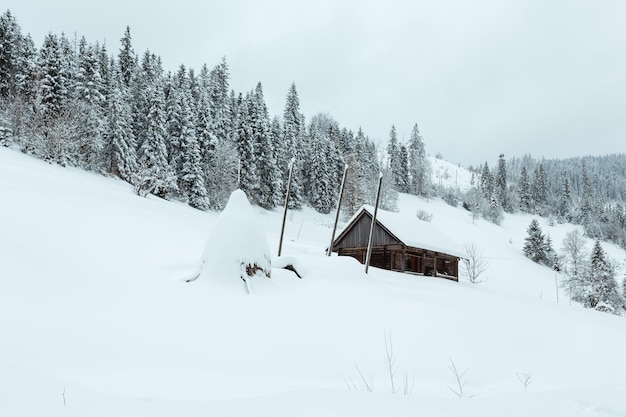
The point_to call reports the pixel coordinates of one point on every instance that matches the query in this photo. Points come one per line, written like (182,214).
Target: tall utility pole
(282,229)
(369,242)
(332,237)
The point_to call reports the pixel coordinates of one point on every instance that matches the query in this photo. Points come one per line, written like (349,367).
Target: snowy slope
(448,175)
(96,319)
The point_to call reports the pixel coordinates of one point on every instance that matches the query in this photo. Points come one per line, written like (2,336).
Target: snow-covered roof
(411,231)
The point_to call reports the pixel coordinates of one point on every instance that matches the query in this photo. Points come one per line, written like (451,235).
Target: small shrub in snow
(424,215)
(475,263)
(525,378)
(451,196)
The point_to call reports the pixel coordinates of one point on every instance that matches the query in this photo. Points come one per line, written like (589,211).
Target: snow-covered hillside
(96,318)
(448,175)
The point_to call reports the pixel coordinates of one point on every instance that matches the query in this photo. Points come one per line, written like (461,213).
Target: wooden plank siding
(388,252)
(358,235)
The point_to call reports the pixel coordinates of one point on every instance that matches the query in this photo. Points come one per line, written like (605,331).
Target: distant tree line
(587,191)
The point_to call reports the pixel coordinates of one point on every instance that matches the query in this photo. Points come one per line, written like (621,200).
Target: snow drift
(237,247)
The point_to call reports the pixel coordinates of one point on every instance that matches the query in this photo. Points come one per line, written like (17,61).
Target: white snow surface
(96,318)
(450,175)
(237,239)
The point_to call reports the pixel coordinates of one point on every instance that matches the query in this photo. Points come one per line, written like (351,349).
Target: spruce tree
(321,163)
(587,205)
(564,202)
(486,183)
(493,210)
(88,88)
(397,171)
(388,193)
(155,174)
(268,173)
(221,114)
(10,47)
(190,174)
(127,58)
(293,129)
(360,173)
(524,195)
(248,181)
(206,129)
(539,189)
(53,87)
(404,169)
(501,185)
(603,294)
(535,244)
(419,166)
(121,148)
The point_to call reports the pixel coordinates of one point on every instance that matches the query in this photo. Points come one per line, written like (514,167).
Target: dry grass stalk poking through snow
(459,379)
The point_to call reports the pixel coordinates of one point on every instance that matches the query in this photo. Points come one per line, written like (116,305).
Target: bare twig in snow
(525,378)
(458,376)
(390,361)
(367,383)
(407,386)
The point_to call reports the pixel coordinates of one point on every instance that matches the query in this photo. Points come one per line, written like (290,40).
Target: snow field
(94,310)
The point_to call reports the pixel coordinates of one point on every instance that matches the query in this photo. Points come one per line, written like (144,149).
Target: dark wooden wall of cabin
(359,234)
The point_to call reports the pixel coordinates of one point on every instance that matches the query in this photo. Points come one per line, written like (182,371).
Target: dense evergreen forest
(188,136)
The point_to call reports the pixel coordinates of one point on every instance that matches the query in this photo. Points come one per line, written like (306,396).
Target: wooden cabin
(399,243)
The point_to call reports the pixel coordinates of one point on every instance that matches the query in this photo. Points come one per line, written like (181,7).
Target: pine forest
(186,135)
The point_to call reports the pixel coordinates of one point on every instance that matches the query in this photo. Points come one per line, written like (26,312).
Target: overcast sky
(479,77)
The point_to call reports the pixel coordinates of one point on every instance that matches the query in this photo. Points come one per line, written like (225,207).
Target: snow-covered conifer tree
(564,203)
(10,50)
(121,147)
(155,174)
(220,102)
(293,131)
(88,87)
(190,176)
(597,287)
(419,166)
(396,169)
(206,130)
(388,193)
(535,243)
(539,189)
(248,180)
(502,191)
(524,195)
(320,169)
(127,58)
(268,174)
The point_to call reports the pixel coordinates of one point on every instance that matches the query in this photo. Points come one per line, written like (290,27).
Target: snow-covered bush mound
(237,246)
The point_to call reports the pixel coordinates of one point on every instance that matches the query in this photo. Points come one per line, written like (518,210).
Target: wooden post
(282,229)
(332,236)
(556,284)
(369,243)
